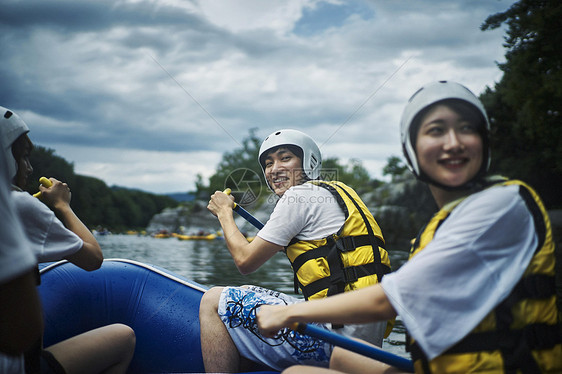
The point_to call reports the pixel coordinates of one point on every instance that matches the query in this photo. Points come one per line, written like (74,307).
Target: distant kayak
(161,236)
(196,237)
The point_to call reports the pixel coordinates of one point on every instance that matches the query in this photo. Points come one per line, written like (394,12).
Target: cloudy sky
(149,93)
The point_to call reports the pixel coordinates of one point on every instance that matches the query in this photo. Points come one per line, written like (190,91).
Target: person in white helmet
(331,239)
(478,293)
(54,232)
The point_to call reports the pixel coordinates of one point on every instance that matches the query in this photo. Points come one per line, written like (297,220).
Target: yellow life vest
(522,334)
(352,258)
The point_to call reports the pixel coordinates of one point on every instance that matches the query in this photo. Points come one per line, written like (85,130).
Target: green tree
(238,170)
(525,107)
(91,200)
(353,173)
(130,212)
(394,167)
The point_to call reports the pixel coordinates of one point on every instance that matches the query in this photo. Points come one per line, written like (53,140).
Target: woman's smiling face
(449,148)
(283,169)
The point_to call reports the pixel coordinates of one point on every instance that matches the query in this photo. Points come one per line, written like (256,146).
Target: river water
(208,263)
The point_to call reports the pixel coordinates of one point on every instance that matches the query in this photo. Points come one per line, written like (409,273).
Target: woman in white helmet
(54,232)
(332,241)
(477,294)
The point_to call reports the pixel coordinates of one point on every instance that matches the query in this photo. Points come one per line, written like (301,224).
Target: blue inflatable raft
(162,308)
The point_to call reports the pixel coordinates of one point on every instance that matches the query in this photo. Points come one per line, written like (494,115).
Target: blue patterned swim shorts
(237,309)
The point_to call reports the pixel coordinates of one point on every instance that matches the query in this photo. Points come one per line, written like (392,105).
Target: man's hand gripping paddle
(244,213)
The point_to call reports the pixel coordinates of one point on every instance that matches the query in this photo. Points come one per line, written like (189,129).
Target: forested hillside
(93,201)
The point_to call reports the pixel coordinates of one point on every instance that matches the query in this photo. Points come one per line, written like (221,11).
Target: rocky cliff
(194,217)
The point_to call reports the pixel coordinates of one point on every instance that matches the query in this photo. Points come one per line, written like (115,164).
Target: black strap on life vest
(517,354)
(540,226)
(340,275)
(331,251)
(343,244)
(417,354)
(537,336)
(348,275)
(374,243)
(514,345)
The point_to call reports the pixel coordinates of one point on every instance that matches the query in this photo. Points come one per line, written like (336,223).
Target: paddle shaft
(245,214)
(355,346)
(248,217)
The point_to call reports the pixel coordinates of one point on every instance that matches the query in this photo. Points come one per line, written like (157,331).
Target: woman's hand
(220,202)
(57,196)
(272,318)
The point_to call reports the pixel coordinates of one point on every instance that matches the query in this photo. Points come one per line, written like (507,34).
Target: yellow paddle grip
(46,182)
(228,191)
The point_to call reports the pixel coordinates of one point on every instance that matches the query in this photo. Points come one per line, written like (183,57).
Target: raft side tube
(162,309)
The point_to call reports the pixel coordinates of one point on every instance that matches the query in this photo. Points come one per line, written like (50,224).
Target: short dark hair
(297,151)
(20,145)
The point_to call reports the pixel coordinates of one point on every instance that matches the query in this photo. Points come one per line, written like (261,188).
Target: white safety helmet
(422,99)
(11,128)
(311,156)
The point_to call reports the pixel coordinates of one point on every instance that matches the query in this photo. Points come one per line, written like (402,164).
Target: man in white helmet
(478,292)
(331,239)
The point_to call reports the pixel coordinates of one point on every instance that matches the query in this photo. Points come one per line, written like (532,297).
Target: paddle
(355,346)
(46,182)
(244,213)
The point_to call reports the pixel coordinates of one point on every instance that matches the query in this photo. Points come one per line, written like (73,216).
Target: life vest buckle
(346,244)
(331,240)
(350,274)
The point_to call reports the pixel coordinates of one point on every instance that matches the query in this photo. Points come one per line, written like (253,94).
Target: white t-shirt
(475,259)
(16,257)
(307,212)
(50,239)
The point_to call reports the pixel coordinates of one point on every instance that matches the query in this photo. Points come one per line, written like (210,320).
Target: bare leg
(219,352)
(353,363)
(298,369)
(108,349)
(343,361)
